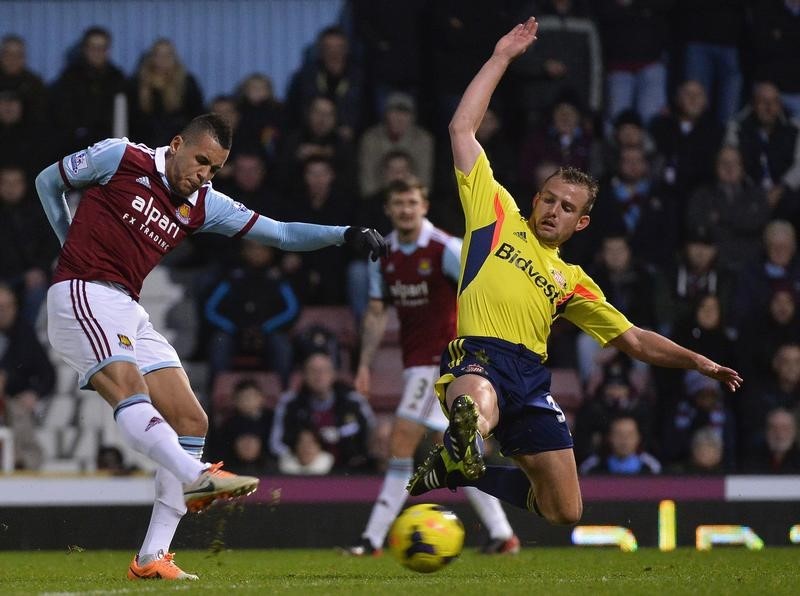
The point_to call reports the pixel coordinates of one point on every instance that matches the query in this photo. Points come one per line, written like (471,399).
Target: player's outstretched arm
(50,187)
(372,330)
(656,349)
(473,104)
(297,236)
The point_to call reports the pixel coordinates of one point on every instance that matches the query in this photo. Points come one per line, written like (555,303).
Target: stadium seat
(566,388)
(270,384)
(386,379)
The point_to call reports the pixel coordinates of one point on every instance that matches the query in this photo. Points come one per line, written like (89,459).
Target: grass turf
(545,571)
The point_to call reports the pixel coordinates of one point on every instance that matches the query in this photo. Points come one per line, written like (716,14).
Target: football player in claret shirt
(137,205)
(513,285)
(418,277)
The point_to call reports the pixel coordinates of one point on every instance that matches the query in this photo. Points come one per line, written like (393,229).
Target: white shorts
(419,402)
(91,324)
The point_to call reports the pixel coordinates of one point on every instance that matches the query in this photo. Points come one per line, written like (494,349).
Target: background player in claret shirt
(513,285)
(419,278)
(138,204)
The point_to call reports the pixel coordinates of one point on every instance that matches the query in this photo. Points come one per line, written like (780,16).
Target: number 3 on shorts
(559,412)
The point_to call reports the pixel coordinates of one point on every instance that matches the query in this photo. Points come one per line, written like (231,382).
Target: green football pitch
(535,571)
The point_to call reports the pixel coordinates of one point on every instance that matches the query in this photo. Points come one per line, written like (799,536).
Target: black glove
(366,242)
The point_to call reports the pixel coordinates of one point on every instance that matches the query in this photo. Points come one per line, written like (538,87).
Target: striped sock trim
(139,398)
(193,446)
(402,466)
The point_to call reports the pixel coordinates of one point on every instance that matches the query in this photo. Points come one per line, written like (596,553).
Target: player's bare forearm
(658,350)
(373,328)
(472,107)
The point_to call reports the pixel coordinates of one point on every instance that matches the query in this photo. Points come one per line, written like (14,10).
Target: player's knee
(193,424)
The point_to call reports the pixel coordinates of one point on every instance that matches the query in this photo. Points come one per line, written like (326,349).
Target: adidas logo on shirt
(144,181)
(522,235)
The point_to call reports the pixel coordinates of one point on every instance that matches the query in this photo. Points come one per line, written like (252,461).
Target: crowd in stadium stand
(684,110)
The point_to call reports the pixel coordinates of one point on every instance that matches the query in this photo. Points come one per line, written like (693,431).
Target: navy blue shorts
(530,419)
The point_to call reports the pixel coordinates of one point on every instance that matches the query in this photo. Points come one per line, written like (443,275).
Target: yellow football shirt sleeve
(587,308)
(483,199)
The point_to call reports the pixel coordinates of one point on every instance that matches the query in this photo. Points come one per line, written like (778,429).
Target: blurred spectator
(698,272)
(631,200)
(774,28)
(251,310)
(780,390)
(252,184)
(562,139)
(770,148)
(627,131)
(779,454)
(703,406)
(329,70)
(27,245)
(262,117)
(713,31)
(459,36)
(493,136)
(244,436)
(307,456)
(20,140)
(705,454)
(623,455)
(396,165)
(398,130)
(688,138)
(779,266)
(568,59)
(390,44)
(341,417)
(705,328)
(317,276)
(614,393)
(225,106)
(628,283)
(318,138)
(15,76)
(83,96)
(637,290)
(734,208)
(635,36)
(26,378)
(706,332)
(762,333)
(315,338)
(163,96)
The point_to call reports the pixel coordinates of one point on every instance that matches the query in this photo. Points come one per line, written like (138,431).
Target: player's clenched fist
(366,242)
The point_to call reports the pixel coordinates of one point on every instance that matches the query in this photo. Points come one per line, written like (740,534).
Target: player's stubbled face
(406,210)
(193,162)
(558,211)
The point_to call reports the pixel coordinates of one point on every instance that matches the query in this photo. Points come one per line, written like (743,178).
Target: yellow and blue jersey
(512,286)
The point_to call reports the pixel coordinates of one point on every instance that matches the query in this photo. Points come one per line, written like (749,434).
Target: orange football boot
(163,567)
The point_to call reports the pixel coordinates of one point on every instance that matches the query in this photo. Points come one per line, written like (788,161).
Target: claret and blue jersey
(129,218)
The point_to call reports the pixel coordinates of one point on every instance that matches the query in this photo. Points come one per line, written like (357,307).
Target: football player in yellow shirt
(513,285)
